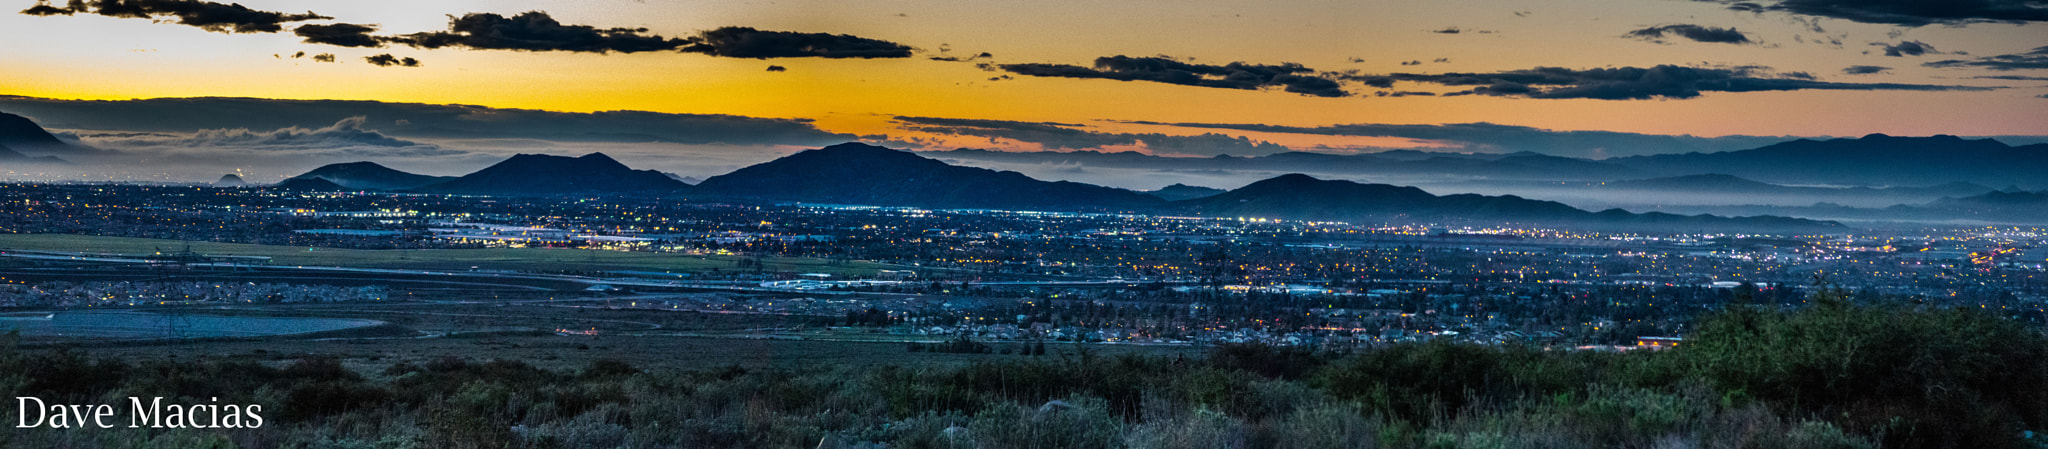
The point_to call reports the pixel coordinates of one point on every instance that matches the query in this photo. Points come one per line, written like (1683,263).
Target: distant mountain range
(9,155)
(22,141)
(368,176)
(1874,160)
(542,175)
(1179,192)
(1997,207)
(519,175)
(310,185)
(855,173)
(1736,188)
(1301,197)
(1528,166)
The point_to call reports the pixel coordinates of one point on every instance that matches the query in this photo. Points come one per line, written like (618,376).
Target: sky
(700,87)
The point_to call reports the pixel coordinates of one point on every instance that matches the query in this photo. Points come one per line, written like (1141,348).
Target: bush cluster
(1832,375)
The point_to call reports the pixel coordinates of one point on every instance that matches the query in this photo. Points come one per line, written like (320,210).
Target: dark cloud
(2012,77)
(1414,62)
(536,31)
(347,132)
(1906,48)
(323,57)
(743,42)
(2036,59)
(1051,135)
(340,35)
(210,16)
(1495,138)
(777,68)
(1064,136)
(386,60)
(1694,32)
(1399,94)
(1905,12)
(1290,77)
(1864,69)
(1448,30)
(976,57)
(1633,83)
(413,120)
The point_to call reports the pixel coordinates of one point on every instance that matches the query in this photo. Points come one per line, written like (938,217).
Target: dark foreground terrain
(1828,375)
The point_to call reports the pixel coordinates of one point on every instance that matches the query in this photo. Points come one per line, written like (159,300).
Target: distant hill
(1526,166)
(544,175)
(8,155)
(691,180)
(1995,207)
(230,180)
(1179,192)
(310,185)
(2014,207)
(1301,197)
(24,136)
(370,176)
(1711,182)
(1720,183)
(855,173)
(1876,159)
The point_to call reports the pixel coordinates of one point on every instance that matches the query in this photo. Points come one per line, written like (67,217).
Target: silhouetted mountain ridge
(25,137)
(1527,166)
(544,175)
(370,176)
(1302,197)
(310,185)
(1876,159)
(1177,192)
(855,173)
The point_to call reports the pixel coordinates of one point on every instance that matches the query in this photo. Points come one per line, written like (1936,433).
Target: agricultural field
(545,260)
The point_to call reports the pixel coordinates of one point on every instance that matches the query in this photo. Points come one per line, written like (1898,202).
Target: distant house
(1658,342)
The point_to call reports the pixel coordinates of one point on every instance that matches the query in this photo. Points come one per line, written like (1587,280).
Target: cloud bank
(2032,60)
(535,31)
(210,16)
(743,42)
(1904,12)
(1496,138)
(1288,77)
(179,115)
(1696,33)
(1061,136)
(1633,83)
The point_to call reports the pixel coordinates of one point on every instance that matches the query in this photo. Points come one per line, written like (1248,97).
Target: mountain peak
(599,158)
(367,175)
(856,173)
(859,150)
(24,135)
(855,146)
(544,174)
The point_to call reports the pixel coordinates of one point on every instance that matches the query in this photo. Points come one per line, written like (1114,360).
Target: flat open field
(513,259)
(572,352)
(125,325)
(421,332)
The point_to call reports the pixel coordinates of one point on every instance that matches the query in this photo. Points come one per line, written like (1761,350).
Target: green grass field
(517,259)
